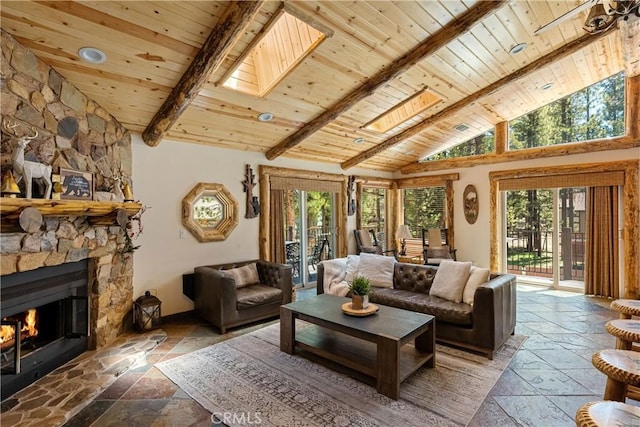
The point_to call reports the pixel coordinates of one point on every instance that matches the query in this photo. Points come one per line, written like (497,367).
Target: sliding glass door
(309,232)
(545,236)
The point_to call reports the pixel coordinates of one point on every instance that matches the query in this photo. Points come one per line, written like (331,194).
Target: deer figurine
(115,195)
(27,169)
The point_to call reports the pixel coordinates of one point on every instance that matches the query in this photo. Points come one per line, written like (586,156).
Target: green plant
(360,286)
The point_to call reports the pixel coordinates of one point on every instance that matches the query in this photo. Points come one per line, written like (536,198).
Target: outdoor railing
(530,252)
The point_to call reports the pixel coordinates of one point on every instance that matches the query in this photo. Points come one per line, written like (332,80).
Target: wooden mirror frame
(229,219)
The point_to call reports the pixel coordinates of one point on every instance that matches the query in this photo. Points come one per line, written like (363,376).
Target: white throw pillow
(477,276)
(352,267)
(377,268)
(450,280)
(245,275)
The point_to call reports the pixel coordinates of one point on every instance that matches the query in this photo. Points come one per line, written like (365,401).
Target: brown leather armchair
(220,302)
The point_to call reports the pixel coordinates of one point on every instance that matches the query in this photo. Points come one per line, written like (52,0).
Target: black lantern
(146,312)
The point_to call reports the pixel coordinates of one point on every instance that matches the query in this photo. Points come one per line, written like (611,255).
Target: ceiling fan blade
(566,16)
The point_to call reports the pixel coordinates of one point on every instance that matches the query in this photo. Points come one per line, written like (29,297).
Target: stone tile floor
(549,378)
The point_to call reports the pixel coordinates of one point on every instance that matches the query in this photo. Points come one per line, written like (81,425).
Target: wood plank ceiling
(150,45)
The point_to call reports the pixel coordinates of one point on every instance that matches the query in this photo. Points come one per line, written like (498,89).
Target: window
(594,112)
(424,207)
(402,112)
(480,144)
(373,209)
(285,42)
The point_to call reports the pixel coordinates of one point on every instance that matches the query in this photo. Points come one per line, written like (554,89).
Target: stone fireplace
(106,283)
(73,132)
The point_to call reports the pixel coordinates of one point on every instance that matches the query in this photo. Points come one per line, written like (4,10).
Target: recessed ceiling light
(265,117)
(92,55)
(461,127)
(546,86)
(358,140)
(517,48)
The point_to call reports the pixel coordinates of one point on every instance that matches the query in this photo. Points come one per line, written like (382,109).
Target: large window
(373,209)
(594,112)
(424,207)
(480,144)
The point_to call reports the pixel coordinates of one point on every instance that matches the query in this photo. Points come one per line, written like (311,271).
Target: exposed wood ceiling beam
(563,51)
(439,39)
(222,38)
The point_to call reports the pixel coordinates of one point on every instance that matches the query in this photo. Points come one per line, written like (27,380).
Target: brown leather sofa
(220,302)
(483,327)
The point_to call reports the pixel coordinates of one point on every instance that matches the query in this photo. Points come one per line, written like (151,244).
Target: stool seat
(627,331)
(626,307)
(607,413)
(622,368)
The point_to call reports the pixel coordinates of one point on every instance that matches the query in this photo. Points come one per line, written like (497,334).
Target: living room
(162,175)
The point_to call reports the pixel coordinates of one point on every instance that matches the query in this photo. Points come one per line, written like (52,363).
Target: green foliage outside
(372,208)
(594,112)
(480,144)
(424,208)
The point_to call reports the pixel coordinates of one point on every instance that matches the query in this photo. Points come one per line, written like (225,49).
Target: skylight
(285,42)
(402,112)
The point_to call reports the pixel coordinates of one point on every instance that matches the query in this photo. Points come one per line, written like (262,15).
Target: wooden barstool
(627,331)
(622,368)
(594,414)
(626,307)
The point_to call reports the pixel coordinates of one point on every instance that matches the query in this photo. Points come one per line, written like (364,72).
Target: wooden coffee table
(372,349)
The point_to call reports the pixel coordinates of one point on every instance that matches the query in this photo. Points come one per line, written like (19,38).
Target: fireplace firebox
(45,322)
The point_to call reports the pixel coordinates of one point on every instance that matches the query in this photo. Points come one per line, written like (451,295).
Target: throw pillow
(477,276)
(245,275)
(450,280)
(352,267)
(377,268)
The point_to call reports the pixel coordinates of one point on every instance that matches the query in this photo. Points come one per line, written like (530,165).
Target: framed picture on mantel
(76,185)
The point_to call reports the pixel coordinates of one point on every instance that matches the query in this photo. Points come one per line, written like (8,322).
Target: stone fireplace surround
(74,133)
(70,239)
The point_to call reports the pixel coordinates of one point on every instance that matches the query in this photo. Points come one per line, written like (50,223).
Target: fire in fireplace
(45,322)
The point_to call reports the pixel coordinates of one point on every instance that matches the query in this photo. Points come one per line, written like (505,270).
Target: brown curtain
(602,274)
(276,226)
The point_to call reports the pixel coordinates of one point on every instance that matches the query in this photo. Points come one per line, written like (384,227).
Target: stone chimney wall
(75,133)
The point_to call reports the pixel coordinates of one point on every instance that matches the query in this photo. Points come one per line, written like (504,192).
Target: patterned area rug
(249,380)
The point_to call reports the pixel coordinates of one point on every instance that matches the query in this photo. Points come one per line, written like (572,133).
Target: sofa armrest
(494,309)
(277,276)
(214,292)
(320,279)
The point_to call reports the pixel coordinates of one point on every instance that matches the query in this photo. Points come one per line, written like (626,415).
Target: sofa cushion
(377,268)
(450,280)
(245,275)
(250,296)
(413,277)
(477,277)
(443,310)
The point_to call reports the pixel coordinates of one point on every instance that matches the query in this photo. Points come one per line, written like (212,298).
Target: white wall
(162,176)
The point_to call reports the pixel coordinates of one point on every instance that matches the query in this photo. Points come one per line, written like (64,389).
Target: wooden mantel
(11,208)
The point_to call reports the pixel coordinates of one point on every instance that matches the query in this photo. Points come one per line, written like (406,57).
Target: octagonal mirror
(209,212)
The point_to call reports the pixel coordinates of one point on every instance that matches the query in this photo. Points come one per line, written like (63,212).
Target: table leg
(388,369)
(426,343)
(287,331)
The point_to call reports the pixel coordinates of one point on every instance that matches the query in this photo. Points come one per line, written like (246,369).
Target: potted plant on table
(359,288)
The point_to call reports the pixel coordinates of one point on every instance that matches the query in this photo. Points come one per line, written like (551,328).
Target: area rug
(249,380)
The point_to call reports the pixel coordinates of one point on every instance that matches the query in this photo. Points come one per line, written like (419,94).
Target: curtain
(276,226)
(602,274)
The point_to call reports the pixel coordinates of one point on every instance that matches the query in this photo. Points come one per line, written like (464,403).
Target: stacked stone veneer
(76,133)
